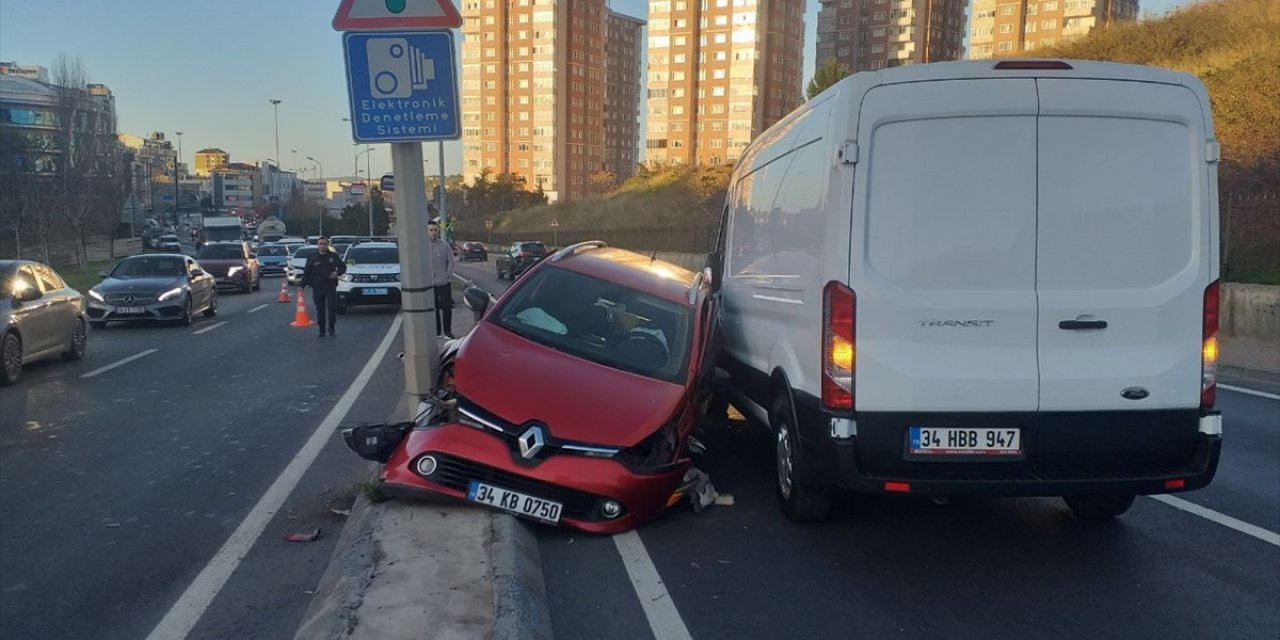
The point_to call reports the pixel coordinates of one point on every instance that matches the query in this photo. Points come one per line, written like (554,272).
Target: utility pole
(275,107)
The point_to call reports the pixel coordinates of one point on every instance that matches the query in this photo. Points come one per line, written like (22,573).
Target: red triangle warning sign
(360,15)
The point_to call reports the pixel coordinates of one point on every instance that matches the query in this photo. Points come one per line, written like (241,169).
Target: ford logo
(1134,393)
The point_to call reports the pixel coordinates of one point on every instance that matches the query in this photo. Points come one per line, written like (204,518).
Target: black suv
(519,258)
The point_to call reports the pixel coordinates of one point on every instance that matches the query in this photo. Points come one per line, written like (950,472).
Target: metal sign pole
(418,303)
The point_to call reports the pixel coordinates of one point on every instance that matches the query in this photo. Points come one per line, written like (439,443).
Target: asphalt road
(895,567)
(117,489)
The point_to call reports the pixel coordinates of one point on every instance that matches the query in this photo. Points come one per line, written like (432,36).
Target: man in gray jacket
(442,267)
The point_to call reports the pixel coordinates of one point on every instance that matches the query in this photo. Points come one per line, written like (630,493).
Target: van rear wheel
(1100,506)
(799,503)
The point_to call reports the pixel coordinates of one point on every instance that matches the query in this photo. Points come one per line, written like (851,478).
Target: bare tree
(89,196)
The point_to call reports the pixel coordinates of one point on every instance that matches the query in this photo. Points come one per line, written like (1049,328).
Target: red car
(575,395)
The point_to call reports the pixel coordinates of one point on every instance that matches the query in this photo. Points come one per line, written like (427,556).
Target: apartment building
(624,76)
(533,91)
(1003,28)
(720,73)
(865,35)
(209,159)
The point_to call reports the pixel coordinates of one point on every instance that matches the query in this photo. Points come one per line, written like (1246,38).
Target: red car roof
(658,278)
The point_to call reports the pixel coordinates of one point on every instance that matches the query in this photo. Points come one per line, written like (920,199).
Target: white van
(990,277)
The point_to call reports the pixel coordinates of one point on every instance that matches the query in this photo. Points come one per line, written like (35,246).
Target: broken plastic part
(306,536)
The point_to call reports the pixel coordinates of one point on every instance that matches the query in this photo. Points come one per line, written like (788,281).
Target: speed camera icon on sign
(397,68)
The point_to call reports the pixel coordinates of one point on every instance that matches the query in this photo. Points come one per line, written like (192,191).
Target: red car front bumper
(582,484)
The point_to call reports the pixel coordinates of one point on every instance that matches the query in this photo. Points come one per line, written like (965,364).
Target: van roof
(1080,69)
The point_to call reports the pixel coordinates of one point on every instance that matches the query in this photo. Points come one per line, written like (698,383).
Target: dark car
(39,316)
(151,287)
(272,259)
(474,251)
(603,444)
(232,264)
(519,258)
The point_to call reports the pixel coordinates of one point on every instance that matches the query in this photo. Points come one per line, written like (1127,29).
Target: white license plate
(961,441)
(515,502)
(375,291)
(130,309)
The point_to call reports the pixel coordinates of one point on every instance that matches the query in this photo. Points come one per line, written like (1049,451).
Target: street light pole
(368,197)
(321,166)
(275,107)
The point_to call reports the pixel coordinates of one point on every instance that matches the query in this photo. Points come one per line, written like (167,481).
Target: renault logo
(531,442)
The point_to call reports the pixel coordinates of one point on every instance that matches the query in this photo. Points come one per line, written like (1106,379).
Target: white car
(372,277)
(987,278)
(298,262)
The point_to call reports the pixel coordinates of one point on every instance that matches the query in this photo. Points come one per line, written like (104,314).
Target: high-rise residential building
(533,89)
(209,159)
(720,73)
(1003,28)
(624,44)
(865,35)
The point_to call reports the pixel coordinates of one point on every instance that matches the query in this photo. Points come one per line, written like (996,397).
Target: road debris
(340,512)
(306,536)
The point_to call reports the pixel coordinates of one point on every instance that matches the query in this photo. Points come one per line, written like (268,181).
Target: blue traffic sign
(403,85)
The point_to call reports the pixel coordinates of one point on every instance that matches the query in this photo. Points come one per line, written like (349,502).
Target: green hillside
(1233,46)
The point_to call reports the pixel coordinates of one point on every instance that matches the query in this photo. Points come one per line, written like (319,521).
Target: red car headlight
(654,452)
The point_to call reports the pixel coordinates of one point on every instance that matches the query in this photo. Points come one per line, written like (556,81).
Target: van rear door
(1125,240)
(944,265)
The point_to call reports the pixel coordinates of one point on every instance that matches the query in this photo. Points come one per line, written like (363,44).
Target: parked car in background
(372,277)
(474,251)
(169,243)
(232,264)
(603,444)
(298,263)
(272,259)
(39,316)
(151,287)
(519,258)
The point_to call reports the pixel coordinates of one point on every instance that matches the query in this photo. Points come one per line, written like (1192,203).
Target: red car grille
(457,474)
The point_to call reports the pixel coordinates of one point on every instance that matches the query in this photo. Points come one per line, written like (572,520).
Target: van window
(1126,217)
(951,203)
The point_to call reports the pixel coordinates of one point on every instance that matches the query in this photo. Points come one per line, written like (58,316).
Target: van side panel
(1124,238)
(944,250)
(776,214)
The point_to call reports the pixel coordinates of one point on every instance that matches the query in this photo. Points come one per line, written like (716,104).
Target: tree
(827,74)
(601,182)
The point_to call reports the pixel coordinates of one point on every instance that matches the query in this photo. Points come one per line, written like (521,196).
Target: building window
(1006,28)
(1006,46)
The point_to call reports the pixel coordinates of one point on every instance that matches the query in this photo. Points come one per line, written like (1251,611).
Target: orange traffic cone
(300,317)
(284,291)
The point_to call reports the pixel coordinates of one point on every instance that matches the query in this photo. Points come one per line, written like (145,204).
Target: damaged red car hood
(519,380)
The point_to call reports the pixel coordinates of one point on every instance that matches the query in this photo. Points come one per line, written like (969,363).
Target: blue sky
(208,69)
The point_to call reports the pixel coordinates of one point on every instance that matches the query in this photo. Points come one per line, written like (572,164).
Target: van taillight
(838,354)
(1209,348)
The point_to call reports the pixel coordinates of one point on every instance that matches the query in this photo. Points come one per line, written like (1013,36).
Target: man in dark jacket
(321,274)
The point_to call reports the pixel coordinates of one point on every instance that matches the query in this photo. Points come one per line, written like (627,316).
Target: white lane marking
(259,308)
(209,328)
(1220,518)
(186,612)
(664,619)
(1252,392)
(118,363)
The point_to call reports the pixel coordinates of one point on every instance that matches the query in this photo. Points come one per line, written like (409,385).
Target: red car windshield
(601,321)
